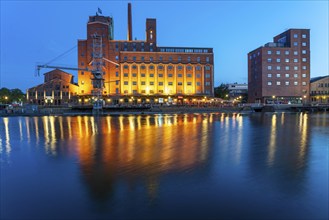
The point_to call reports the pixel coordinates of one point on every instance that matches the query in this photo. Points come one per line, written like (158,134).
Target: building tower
(130,31)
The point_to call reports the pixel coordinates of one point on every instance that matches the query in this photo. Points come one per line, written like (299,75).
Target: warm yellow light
(205,97)
(121,100)
(273,97)
(166,100)
(79,100)
(139,100)
(6,97)
(148,100)
(156,100)
(304,96)
(108,100)
(185,100)
(86,100)
(194,100)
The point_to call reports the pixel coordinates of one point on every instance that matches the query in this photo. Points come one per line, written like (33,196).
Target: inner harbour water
(165,166)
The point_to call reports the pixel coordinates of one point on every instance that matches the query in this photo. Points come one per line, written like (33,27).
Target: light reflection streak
(46,133)
(20,129)
(303,140)
(239,138)
(27,123)
(52,135)
(36,124)
(7,135)
(272,145)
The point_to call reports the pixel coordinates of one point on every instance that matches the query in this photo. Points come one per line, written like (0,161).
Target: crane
(96,70)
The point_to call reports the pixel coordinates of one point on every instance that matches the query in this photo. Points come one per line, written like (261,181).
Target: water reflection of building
(283,151)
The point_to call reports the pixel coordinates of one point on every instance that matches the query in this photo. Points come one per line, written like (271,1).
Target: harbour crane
(96,70)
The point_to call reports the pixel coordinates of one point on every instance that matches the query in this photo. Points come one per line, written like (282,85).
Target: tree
(11,95)
(222,91)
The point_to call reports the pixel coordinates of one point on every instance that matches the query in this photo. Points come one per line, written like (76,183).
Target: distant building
(280,70)
(57,89)
(140,68)
(236,90)
(320,90)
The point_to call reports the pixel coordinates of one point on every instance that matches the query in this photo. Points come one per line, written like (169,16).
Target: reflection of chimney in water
(130,32)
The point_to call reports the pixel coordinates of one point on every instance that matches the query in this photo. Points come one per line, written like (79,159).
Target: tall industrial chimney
(130,32)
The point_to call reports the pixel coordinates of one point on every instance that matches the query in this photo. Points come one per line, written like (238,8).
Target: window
(134,75)
(269,67)
(160,91)
(295,43)
(286,52)
(287,75)
(142,74)
(206,83)
(125,83)
(278,52)
(125,58)
(304,59)
(287,68)
(304,67)
(207,59)
(278,67)
(180,75)
(286,60)
(207,75)
(179,59)
(198,75)
(134,58)
(151,67)
(82,82)
(151,83)
(82,63)
(295,60)
(295,35)
(134,83)
(304,44)
(134,67)
(303,51)
(151,59)
(160,75)
(125,66)
(170,59)
(189,59)
(269,52)
(180,83)
(179,67)
(151,75)
(295,67)
(304,75)
(198,68)
(278,83)
(269,83)
(160,83)
(142,58)
(198,59)
(269,75)
(189,75)
(207,67)
(143,83)
(278,60)
(295,52)
(278,75)
(296,75)
(160,58)
(287,83)
(189,67)
(170,83)
(296,83)
(125,75)
(82,73)
(198,83)
(269,60)
(160,67)
(143,91)
(143,67)
(169,75)
(170,67)
(303,35)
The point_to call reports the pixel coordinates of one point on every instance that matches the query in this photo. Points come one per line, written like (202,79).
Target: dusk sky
(35,32)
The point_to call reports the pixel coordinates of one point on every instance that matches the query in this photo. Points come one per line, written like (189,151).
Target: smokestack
(130,32)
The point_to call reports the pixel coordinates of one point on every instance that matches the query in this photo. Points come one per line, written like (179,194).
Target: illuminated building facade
(58,89)
(141,68)
(320,90)
(280,70)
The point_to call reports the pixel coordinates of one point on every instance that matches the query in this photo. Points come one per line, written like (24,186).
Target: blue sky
(37,31)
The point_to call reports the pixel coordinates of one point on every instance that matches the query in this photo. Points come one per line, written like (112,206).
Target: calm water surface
(187,166)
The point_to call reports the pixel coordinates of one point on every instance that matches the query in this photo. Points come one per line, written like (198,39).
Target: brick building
(57,89)
(280,71)
(320,90)
(138,68)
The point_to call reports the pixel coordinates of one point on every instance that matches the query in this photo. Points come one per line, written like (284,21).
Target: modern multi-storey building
(138,68)
(320,90)
(280,70)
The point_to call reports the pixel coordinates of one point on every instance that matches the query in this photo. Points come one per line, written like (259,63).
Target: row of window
(287,53)
(287,83)
(303,36)
(183,50)
(179,75)
(286,68)
(287,75)
(278,60)
(143,83)
(320,92)
(161,91)
(170,67)
(323,85)
(142,58)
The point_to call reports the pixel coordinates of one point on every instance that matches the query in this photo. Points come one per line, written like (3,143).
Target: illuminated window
(269,75)
(304,67)
(295,35)
(278,67)
(160,83)
(286,52)
(287,67)
(269,83)
(287,75)
(304,44)
(278,83)
(287,83)
(278,52)
(170,83)
(303,51)
(296,83)
(295,67)
(304,75)
(303,35)
(278,60)
(278,75)
(269,67)
(143,83)
(304,59)
(286,60)
(295,52)
(269,52)
(269,60)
